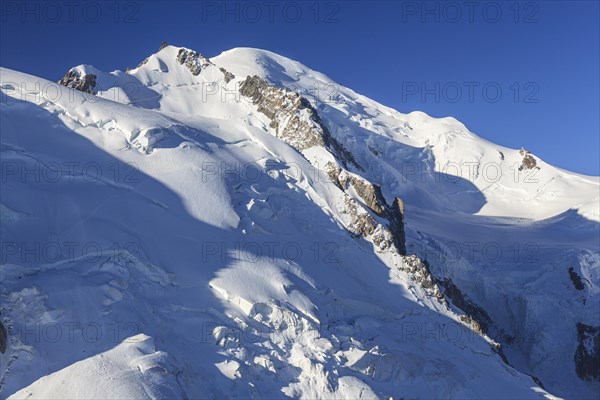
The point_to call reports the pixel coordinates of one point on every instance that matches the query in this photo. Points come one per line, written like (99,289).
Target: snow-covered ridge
(216,291)
(426,150)
(251,325)
(433,157)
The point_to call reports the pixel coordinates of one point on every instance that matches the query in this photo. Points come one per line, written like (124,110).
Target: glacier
(243,226)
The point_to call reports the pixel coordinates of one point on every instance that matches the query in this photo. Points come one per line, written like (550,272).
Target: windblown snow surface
(160,240)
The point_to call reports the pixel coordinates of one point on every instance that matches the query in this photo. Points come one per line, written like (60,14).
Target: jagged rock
(228,76)
(192,60)
(370,194)
(74,80)
(163,45)
(418,270)
(294,119)
(3,338)
(480,320)
(529,162)
(396,218)
(362,224)
(297,123)
(382,239)
(576,279)
(587,355)
(373,198)
(282,107)
(472,324)
(334,172)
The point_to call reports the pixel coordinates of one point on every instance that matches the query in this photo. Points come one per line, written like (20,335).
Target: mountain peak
(393,241)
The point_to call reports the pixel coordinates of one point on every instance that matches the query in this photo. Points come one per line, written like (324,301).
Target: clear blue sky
(444,58)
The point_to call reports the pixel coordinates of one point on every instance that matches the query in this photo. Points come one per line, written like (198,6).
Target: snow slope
(200,255)
(506,237)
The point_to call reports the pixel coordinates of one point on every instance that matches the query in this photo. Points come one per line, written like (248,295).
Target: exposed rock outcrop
(362,223)
(294,119)
(3,338)
(528,162)
(576,279)
(371,195)
(476,317)
(396,218)
(84,83)
(228,76)
(298,123)
(193,61)
(587,355)
(418,271)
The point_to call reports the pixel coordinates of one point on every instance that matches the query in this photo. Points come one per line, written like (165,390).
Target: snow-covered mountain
(243,226)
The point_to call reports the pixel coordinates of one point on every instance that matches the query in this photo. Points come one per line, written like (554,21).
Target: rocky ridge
(83,82)
(298,123)
(529,162)
(194,61)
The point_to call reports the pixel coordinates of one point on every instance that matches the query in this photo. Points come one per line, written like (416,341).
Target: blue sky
(521,74)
